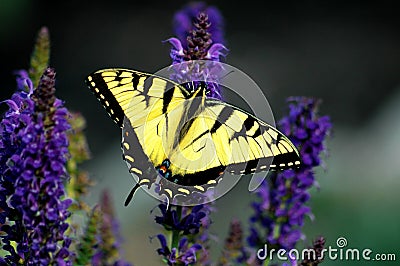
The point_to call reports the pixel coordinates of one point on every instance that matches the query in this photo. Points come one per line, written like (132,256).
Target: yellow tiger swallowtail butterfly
(188,138)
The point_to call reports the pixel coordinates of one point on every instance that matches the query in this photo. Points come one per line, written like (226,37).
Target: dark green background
(346,54)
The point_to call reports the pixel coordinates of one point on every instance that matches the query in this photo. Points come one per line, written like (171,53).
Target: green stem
(175,233)
(266,262)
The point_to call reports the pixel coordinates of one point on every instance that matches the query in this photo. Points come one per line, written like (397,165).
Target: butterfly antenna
(130,196)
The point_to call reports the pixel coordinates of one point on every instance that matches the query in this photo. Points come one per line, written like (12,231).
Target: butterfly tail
(130,195)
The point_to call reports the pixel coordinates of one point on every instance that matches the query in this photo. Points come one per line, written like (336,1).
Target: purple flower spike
(279,214)
(199,37)
(33,153)
(184,19)
(196,42)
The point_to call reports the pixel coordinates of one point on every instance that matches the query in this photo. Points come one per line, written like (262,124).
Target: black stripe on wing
(100,89)
(199,178)
(288,160)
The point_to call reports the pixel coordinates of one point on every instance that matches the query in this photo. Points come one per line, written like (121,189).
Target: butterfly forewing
(252,139)
(222,136)
(130,93)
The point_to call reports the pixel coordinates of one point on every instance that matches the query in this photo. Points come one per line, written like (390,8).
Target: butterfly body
(187,138)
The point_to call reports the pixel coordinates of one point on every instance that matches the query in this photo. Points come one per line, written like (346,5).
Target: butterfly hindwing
(137,161)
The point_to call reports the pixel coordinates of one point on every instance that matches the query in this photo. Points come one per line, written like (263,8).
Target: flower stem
(175,233)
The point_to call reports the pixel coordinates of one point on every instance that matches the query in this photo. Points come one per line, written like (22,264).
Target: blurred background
(346,54)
